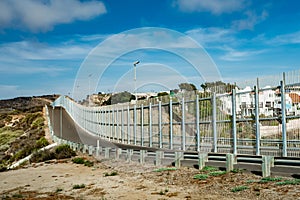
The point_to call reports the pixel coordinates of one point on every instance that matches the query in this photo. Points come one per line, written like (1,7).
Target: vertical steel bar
(159,124)
(171,123)
(234,121)
(183,124)
(61,130)
(142,125)
(214,122)
(283,116)
(122,125)
(134,124)
(128,125)
(257,125)
(150,124)
(197,123)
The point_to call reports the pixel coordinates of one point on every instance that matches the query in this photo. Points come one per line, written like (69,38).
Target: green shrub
(289,182)
(77,186)
(239,188)
(42,142)
(201,176)
(270,179)
(88,163)
(217,173)
(41,156)
(78,160)
(209,169)
(64,151)
(114,173)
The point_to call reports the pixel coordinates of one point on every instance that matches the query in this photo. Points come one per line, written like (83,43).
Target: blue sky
(43,43)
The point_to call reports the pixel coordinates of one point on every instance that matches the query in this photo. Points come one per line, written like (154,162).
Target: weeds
(165,169)
(77,186)
(217,173)
(201,176)
(239,188)
(209,169)
(114,173)
(80,160)
(289,182)
(270,179)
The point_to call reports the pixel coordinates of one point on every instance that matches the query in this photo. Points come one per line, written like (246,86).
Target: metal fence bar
(183,133)
(283,117)
(257,124)
(214,122)
(171,123)
(234,136)
(159,124)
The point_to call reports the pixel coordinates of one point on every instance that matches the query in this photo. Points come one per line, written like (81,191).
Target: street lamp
(134,66)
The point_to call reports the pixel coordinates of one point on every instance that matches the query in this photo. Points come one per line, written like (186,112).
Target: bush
(78,160)
(41,156)
(114,173)
(42,142)
(64,151)
(77,186)
(217,173)
(209,169)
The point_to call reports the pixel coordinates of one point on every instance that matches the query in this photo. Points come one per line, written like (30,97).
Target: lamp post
(134,66)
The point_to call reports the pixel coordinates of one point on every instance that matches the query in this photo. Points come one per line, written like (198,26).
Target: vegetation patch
(201,176)
(289,182)
(217,173)
(114,173)
(239,188)
(80,160)
(270,179)
(165,169)
(77,186)
(209,169)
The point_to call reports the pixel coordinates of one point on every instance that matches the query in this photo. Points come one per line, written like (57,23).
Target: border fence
(259,119)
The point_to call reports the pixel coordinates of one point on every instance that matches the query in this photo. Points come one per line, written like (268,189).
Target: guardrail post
(98,147)
(234,121)
(129,155)
(90,148)
(230,161)
(178,158)
(214,122)
(118,153)
(267,163)
(283,116)
(106,155)
(85,148)
(158,157)
(142,156)
(150,124)
(203,158)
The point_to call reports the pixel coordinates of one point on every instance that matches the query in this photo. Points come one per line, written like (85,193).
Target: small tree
(187,86)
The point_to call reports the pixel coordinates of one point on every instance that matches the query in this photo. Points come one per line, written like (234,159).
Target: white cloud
(235,55)
(43,15)
(250,21)
(214,6)
(292,38)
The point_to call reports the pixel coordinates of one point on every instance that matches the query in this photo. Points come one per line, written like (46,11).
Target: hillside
(21,127)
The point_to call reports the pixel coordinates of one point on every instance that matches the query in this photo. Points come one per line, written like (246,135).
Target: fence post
(98,148)
(122,125)
(129,154)
(267,163)
(159,124)
(150,124)
(183,124)
(230,161)
(118,153)
(178,158)
(197,123)
(158,158)
(283,116)
(171,123)
(257,125)
(214,122)
(106,154)
(203,157)
(234,121)
(142,156)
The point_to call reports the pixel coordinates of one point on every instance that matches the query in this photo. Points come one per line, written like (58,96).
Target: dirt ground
(59,179)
